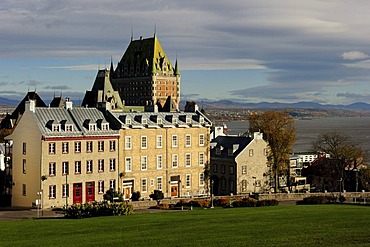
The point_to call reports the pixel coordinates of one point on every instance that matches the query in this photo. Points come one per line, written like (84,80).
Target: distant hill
(8,102)
(227,104)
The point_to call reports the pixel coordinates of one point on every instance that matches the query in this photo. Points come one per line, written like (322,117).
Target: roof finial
(132,33)
(155,29)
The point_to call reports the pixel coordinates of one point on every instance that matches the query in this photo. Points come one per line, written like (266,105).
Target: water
(357,128)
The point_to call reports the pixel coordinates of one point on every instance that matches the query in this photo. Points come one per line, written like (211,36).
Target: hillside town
(130,135)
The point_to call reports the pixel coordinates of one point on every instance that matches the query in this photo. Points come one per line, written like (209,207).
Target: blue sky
(246,51)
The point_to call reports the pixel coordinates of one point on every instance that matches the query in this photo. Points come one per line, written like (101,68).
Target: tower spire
(132,33)
(155,29)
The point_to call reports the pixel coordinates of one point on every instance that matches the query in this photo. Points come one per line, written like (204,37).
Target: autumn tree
(280,132)
(340,147)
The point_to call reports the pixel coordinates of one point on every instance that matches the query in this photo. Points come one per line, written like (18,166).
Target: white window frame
(100,146)
(112,164)
(175,161)
(89,146)
(144,142)
(65,190)
(201,159)
(101,186)
(144,185)
(77,167)
(65,168)
(52,167)
(78,147)
(100,165)
(89,166)
(187,140)
(201,140)
(52,147)
(159,183)
(201,179)
(52,191)
(188,159)
(112,184)
(159,141)
(159,161)
(65,147)
(128,142)
(175,141)
(188,180)
(144,163)
(128,164)
(112,145)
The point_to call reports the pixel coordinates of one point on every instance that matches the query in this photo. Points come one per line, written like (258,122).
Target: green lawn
(316,225)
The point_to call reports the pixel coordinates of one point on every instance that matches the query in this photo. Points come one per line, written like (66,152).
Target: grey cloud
(354,96)
(57,87)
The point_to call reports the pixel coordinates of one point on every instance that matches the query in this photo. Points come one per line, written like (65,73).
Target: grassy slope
(321,225)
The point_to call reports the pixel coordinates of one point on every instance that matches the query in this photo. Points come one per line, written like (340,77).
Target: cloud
(354,96)
(354,55)
(57,87)
(76,67)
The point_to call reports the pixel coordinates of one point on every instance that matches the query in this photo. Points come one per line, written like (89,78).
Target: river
(357,128)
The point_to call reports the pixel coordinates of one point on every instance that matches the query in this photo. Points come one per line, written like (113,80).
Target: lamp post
(212,182)
(356,187)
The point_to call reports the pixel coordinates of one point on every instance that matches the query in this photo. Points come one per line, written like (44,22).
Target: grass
(305,225)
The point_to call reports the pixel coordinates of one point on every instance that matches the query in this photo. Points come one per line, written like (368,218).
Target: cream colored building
(163,151)
(63,156)
(239,165)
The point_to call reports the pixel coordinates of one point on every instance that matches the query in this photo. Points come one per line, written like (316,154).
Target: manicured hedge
(95,209)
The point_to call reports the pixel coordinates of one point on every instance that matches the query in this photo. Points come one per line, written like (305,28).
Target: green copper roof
(146,54)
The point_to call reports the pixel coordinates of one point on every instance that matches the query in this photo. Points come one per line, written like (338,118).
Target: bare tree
(280,132)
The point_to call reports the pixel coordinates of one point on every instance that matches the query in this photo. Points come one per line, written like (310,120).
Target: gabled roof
(226,143)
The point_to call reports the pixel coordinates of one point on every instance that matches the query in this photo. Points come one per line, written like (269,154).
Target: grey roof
(168,119)
(46,118)
(224,143)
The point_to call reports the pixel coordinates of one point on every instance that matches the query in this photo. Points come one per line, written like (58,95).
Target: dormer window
(92,127)
(218,151)
(159,121)
(55,127)
(128,121)
(174,120)
(68,127)
(201,120)
(144,121)
(230,152)
(188,120)
(105,126)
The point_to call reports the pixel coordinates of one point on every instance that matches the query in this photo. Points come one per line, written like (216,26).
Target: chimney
(31,105)
(69,104)
(257,135)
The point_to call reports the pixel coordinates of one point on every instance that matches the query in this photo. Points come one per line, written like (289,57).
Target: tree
(280,132)
(342,148)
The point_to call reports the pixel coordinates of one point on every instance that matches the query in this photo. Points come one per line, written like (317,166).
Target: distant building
(145,76)
(239,165)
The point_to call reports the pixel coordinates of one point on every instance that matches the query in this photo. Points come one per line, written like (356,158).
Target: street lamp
(356,188)
(212,182)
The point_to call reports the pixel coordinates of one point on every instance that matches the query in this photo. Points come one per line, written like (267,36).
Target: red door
(77,193)
(174,190)
(90,191)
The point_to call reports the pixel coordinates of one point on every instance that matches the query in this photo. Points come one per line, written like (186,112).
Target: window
(244,185)
(89,166)
(65,168)
(144,144)
(68,127)
(159,161)
(214,167)
(52,148)
(65,190)
(56,127)
(127,142)
(112,184)
(77,167)
(188,180)
(231,185)
(201,139)
(52,169)
(222,168)
(159,183)
(92,127)
(52,191)
(112,165)
(144,162)
(101,187)
(100,165)
(144,185)
(174,141)
(105,126)
(174,161)
(231,170)
(223,184)
(89,146)
(77,147)
(112,145)
(201,179)
(24,167)
(244,169)
(128,164)
(128,121)
(100,146)
(250,152)
(24,190)
(151,182)
(201,159)
(24,148)
(65,147)
(230,152)
(188,140)
(159,141)
(218,151)
(187,160)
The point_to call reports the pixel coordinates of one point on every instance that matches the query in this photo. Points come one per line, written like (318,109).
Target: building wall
(166,151)
(255,175)
(73,176)
(26,182)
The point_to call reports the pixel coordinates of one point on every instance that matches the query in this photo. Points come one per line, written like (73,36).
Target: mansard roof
(226,143)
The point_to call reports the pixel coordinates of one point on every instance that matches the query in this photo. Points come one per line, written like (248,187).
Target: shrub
(244,202)
(157,195)
(314,200)
(111,194)
(222,202)
(263,203)
(79,211)
(136,196)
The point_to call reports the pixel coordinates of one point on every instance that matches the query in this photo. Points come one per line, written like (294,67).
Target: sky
(244,51)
